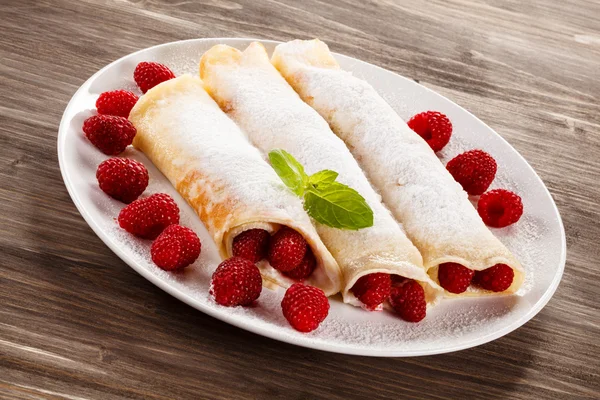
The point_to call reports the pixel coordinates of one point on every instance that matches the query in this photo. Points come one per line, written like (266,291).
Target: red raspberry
(149,74)
(305,307)
(373,289)
(306,267)
(149,216)
(287,249)
(397,280)
(432,126)
(252,244)
(175,248)
(454,277)
(108,133)
(236,282)
(497,278)
(474,170)
(499,208)
(122,178)
(408,300)
(116,102)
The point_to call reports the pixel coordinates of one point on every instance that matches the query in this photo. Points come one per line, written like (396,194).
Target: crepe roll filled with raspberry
(260,101)
(458,250)
(234,191)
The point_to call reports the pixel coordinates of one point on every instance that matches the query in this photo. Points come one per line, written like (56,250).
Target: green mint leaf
(322,178)
(289,170)
(338,206)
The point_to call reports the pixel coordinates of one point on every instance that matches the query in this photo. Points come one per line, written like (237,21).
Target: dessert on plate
(248,87)
(352,199)
(434,209)
(225,180)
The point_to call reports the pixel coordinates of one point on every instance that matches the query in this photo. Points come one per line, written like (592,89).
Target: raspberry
(305,307)
(432,126)
(497,278)
(373,289)
(408,300)
(149,216)
(397,280)
(474,170)
(122,179)
(175,248)
(287,249)
(116,102)
(499,208)
(306,267)
(252,244)
(149,74)
(454,277)
(236,282)
(108,133)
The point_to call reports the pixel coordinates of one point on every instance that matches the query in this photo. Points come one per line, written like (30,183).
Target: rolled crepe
(221,175)
(260,101)
(433,208)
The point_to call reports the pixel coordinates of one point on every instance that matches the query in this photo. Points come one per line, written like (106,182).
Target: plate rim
(277,334)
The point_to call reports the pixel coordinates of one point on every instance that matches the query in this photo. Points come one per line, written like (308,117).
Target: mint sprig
(339,206)
(329,202)
(289,170)
(322,178)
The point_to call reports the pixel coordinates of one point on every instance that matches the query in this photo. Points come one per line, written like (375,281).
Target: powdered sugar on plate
(521,238)
(537,239)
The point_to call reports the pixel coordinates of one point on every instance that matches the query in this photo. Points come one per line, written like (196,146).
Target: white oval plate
(538,240)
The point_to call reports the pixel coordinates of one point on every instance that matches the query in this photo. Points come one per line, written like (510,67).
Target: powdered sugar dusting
(522,238)
(274,117)
(433,208)
(455,146)
(192,126)
(387,329)
(536,239)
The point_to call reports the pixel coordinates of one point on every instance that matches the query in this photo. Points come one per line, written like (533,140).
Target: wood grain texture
(77,323)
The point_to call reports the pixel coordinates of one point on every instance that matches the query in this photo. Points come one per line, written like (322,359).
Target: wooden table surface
(76,322)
